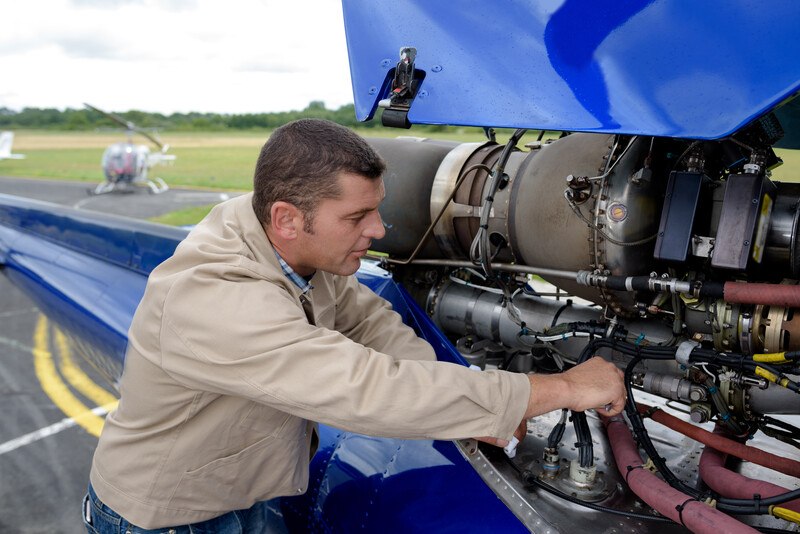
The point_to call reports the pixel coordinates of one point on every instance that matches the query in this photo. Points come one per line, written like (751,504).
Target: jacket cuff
(518,394)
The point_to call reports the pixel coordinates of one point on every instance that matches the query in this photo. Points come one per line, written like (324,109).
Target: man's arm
(266,350)
(367,318)
(263,348)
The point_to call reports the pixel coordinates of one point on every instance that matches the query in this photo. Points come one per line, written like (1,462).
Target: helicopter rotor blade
(131,127)
(154,138)
(119,120)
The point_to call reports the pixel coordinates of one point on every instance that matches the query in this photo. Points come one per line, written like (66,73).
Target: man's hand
(594,384)
(519,433)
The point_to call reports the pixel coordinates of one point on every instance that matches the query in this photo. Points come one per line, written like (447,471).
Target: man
(256,329)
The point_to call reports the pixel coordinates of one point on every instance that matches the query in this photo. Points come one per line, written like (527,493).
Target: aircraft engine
(664,243)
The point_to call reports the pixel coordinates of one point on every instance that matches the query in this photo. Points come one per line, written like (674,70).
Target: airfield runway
(44,454)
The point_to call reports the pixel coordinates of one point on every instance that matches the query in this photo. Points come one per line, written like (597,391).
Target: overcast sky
(242,56)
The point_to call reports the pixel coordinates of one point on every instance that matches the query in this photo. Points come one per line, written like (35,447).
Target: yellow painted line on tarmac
(54,386)
(77,378)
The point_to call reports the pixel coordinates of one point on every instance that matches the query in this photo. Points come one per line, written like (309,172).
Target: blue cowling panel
(653,67)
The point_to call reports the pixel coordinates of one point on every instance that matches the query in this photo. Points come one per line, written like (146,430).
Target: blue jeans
(262,517)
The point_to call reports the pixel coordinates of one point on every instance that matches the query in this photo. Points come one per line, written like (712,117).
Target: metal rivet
(373,90)
(436,68)
(386,62)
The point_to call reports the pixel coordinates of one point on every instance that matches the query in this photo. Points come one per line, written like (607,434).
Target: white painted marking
(201,195)
(12,313)
(42,433)
(79,204)
(13,343)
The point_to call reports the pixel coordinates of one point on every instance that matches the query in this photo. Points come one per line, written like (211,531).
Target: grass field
(204,159)
(211,160)
(217,160)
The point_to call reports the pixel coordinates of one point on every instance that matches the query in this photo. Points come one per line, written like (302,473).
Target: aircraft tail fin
(6,140)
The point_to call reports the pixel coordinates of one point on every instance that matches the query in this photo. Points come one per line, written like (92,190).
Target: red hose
(696,516)
(771,294)
(783,465)
(730,484)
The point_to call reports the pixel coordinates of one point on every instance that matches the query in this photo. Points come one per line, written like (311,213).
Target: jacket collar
(254,235)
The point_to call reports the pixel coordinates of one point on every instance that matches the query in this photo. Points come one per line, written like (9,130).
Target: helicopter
(127,164)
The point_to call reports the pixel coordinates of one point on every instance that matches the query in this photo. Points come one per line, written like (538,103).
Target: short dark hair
(300,164)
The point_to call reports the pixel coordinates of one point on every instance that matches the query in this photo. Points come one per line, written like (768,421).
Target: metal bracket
(404,89)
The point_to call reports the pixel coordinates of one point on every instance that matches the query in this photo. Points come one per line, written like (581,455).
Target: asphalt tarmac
(44,455)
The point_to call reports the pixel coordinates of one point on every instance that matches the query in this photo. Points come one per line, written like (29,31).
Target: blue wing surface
(653,67)
(85,270)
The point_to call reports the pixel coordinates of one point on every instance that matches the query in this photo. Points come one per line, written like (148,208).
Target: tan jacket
(227,365)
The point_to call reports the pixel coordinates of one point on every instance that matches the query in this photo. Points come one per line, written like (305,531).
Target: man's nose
(375,229)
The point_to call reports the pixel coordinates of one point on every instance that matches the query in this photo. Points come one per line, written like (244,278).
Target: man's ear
(285,219)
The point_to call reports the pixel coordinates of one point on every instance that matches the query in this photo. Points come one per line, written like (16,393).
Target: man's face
(342,229)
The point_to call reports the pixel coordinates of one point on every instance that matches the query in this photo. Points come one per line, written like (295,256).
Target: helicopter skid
(155,187)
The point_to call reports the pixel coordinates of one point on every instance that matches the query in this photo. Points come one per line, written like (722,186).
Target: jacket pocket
(263,470)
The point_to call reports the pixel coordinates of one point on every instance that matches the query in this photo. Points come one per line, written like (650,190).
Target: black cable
(643,438)
(789,428)
(558,313)
(756,505)
(725,504)
(480,243)
(557,433)
(639,353)
(583,435)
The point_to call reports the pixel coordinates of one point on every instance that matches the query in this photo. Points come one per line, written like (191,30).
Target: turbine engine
(675,245)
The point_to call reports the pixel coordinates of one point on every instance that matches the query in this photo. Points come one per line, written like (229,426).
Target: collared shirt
(304,285)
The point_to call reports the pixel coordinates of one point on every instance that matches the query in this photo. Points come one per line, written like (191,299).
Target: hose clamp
(684,351)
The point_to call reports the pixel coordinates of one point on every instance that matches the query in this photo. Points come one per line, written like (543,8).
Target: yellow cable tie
(772,357)
(769,375)
(650,466)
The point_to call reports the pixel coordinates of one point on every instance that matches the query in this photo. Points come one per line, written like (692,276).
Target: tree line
(86,119)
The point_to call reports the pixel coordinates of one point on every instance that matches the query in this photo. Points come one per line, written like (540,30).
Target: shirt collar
(304,285)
